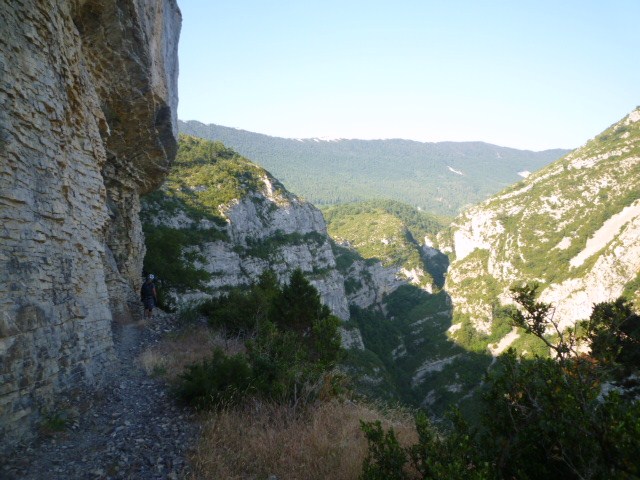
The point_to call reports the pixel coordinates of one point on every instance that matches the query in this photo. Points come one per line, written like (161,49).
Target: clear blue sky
(526,74)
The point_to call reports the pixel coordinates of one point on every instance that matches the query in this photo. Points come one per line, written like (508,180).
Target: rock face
(573,227)
(371,282)
(297,236)
(88,122)
(267,228)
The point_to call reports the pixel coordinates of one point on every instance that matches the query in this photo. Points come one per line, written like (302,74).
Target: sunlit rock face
(294,230)
(88,123)
(572,227)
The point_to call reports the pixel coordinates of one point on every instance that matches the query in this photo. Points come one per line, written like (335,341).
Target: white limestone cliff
(292,232)
(573,227)
(88,122)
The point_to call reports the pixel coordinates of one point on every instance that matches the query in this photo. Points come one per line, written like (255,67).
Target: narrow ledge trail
(131,428)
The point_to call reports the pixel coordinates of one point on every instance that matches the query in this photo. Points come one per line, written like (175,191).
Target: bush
(614,329)
(386,458)
(170,261)
(548,420)
(219,381)
(541,418)
(188,313)
(295,342)
(437,455)
(240,311)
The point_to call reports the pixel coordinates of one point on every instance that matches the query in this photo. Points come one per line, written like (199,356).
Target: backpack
(147,290)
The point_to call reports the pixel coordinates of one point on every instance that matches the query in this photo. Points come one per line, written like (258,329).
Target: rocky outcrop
(371,282)
(89,94)
(268,228)
(572,227)
(617,262)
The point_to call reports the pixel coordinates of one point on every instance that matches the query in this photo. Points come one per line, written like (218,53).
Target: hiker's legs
(148,307)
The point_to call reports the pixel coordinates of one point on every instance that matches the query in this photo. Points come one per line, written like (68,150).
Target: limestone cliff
(245,222)
(88,123)
(573,227)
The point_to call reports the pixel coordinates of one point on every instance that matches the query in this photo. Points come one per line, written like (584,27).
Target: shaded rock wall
(88,122)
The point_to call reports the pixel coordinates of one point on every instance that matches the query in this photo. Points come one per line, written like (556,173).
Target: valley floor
(130,430)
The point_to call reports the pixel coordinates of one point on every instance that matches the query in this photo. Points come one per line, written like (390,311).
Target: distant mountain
(439,177)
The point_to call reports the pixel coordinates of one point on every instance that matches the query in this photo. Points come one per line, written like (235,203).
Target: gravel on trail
(130,428)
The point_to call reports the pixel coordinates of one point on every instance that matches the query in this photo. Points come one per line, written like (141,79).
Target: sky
(529,74)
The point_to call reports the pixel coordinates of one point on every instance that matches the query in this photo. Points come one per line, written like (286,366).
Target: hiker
(148,296)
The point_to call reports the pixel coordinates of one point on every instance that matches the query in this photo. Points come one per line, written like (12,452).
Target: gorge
(94,175)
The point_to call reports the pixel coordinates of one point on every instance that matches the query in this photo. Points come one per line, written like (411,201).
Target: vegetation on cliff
(572,227)
(571,417)
(204,178)
(390,232)
(570,215)
(211,195)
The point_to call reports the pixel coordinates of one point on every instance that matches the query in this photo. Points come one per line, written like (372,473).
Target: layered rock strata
(573,228)
(89,95)
(266,229)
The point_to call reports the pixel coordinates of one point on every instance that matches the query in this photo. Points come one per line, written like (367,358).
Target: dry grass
(262,439)
(169,357)
(258,439)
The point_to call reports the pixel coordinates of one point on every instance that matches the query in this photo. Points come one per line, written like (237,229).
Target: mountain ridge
(573,227)
(381,139)
(442,177)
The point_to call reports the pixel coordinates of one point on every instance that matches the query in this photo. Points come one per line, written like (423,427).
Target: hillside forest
(441,178)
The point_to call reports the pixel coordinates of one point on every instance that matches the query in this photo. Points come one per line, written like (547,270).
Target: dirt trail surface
(130,429)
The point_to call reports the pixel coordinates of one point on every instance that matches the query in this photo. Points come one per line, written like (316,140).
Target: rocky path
(504,343)
(131,429)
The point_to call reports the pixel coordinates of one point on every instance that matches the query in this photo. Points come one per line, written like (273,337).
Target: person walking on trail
(148,296)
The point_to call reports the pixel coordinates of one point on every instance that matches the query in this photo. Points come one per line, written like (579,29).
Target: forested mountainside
(573,227)
(437,177)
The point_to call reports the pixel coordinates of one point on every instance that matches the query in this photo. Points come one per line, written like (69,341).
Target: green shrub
(216,382)
(233,311)
(541,418)
(548,420)
(170,260)
(240,310)
(298,343)
(386,458)
(451,455)
(54,421)
(188,313)
(295,343)
(614,330)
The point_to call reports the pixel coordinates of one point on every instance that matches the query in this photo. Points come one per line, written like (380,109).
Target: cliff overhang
(88,124)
